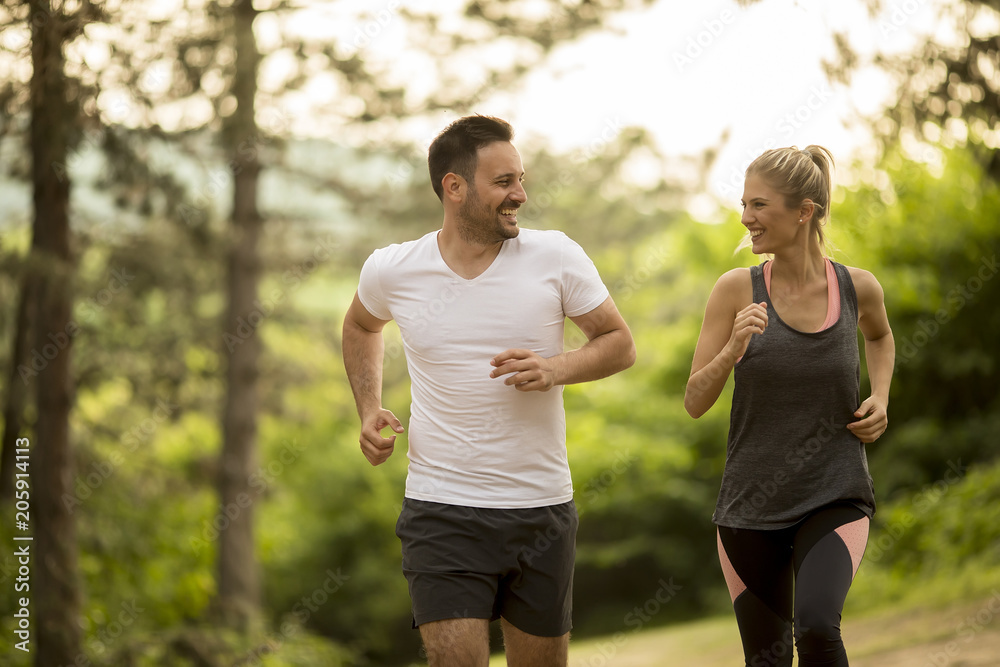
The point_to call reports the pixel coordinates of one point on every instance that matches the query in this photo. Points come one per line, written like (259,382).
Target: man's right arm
(363,349)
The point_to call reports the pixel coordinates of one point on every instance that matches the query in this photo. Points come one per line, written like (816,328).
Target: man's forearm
(363,352)
(602,356)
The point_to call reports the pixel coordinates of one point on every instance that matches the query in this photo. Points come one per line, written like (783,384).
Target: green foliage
(929,233)
(942,535)
(646,475)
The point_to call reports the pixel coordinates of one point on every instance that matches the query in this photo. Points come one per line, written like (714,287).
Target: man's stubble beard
(480,225)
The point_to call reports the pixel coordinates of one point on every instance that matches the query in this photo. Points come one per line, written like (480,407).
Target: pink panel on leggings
(736,585)
(855,537)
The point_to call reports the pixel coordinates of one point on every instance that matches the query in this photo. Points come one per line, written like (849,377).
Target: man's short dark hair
(455,149)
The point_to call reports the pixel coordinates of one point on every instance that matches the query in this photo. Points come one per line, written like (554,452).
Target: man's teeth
(754,233)
(508,211)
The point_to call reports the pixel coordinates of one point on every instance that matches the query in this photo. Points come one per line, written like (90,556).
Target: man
(481,306)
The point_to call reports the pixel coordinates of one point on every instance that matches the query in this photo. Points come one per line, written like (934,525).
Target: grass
(685,644)
(960,633)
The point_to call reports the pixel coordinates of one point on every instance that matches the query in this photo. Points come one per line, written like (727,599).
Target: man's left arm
(609,349)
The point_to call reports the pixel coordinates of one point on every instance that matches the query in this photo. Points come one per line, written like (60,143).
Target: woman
(796,496)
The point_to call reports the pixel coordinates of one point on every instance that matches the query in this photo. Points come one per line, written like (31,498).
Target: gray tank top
(789,450)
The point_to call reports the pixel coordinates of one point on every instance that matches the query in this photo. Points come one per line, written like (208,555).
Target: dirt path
(966,635)
(962,635)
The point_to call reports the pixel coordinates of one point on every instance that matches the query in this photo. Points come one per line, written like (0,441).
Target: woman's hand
(749,321)
(868,429)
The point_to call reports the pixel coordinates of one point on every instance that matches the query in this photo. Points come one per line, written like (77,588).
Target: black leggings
(821,555)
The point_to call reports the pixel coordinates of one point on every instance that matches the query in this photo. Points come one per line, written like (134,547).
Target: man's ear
(454,187)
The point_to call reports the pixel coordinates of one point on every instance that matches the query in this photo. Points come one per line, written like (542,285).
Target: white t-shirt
(473,440)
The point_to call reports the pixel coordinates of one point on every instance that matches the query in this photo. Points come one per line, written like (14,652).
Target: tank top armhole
(832,296)
(760,292)
(760,280)
(849,296)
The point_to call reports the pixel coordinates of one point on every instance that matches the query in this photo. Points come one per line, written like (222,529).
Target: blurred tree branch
(156,96)
(954,88)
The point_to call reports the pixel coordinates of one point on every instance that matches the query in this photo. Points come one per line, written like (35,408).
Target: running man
(481,305)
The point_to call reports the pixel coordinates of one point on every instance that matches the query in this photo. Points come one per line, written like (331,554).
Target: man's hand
(530,371)
(376,448)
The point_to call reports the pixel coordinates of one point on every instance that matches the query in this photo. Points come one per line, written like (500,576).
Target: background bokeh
(188,190)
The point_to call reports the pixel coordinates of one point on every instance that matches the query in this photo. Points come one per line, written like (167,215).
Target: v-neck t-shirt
(473,440)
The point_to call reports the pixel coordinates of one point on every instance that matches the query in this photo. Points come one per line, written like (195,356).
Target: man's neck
(466,259)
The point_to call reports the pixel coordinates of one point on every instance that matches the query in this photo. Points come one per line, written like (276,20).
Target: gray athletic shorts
(470,562)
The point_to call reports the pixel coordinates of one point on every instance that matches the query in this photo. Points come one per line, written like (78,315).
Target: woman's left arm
(880,355)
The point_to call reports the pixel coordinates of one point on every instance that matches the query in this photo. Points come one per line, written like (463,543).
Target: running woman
(796,498)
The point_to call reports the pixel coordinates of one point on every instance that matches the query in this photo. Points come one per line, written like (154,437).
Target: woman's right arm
(724,337)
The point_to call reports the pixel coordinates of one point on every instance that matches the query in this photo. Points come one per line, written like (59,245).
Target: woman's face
(771,224)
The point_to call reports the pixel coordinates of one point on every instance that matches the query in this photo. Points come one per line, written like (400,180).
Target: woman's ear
(806,210)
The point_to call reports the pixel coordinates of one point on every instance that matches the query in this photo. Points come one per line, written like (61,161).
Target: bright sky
(691,71)
(688,72)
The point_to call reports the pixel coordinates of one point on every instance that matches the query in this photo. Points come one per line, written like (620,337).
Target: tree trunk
(239,585)
(17,384)
(54,583)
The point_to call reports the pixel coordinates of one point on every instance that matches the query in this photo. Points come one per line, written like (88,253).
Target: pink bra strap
(832,293)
